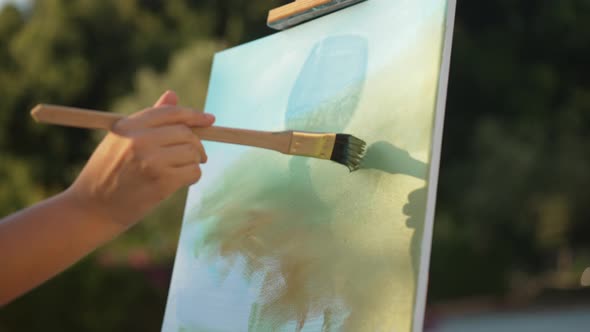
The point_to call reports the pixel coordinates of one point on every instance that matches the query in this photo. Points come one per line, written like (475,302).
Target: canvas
(272,242)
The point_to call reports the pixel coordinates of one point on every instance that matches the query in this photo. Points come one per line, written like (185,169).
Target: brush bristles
(348,151)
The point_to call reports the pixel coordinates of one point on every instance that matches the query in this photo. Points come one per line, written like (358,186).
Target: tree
(512,198)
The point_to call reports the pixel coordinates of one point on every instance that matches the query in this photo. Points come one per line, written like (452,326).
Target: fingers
(180,155)
(171,135)
(176,135)
(188,174)
(165,112)
(201,150)
(168,98)
(169,115)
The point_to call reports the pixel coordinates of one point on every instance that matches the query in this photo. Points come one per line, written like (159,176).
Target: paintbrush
(341,148)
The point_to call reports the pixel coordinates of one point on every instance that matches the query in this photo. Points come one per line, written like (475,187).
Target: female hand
(144,159)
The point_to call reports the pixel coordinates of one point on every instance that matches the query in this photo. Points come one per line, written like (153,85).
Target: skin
(144,159)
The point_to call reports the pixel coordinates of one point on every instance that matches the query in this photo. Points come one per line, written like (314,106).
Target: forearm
(144,159)
(43,240)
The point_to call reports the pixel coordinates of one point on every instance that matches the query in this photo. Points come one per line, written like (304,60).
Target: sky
(17,2)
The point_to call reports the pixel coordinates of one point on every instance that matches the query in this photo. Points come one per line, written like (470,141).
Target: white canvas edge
(422,287)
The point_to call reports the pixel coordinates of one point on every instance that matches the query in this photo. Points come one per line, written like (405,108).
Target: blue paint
(329,86)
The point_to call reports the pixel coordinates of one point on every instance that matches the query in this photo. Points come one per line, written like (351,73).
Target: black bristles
(348,151)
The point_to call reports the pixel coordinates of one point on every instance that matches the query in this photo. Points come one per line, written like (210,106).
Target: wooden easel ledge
(294,8)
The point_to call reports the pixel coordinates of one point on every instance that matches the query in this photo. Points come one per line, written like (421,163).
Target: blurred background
(512,237)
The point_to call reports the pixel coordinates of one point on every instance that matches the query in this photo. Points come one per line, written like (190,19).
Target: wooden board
(294,8)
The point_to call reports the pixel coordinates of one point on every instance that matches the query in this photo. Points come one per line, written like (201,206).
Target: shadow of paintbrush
(388,158)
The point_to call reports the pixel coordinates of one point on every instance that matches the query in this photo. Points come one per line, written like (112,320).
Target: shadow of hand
(416,212)
(416,208)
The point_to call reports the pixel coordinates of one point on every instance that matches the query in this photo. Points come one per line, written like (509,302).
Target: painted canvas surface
(272,242)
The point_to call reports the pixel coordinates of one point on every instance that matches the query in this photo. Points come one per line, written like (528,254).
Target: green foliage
(89,298)
(18,189)
(514,175)
(82,53)
(187,74)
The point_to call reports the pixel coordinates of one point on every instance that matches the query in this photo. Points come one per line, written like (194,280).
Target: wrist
(89,209)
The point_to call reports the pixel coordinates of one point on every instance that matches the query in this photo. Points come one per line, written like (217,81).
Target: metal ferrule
(312,145)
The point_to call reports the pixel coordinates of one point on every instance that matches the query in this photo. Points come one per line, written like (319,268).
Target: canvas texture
(272,242)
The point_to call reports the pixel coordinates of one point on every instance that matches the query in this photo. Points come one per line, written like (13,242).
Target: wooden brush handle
(83,118)
(74,117)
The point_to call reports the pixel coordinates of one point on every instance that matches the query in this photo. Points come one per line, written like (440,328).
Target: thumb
(168,98)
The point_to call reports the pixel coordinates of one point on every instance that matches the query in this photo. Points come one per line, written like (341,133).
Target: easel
(301,11)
